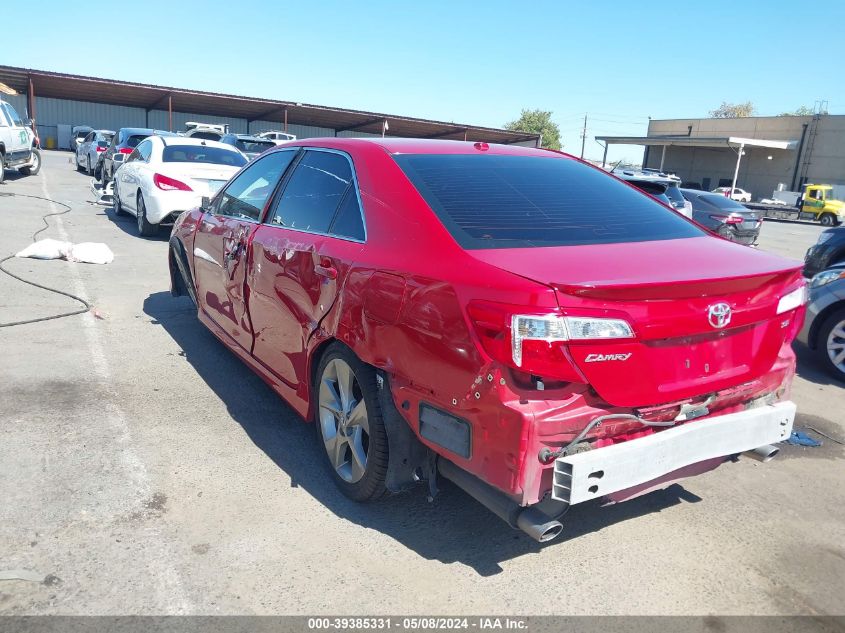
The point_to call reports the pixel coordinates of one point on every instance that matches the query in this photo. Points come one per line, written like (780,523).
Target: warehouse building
(58,101)
(765,153)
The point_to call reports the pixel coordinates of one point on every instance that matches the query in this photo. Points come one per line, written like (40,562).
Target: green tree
(802,111)
(733,110)
(538,122)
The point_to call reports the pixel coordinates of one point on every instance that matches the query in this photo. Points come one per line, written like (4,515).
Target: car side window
(133,156)
(144,151)
(13,116)
(313,195)
(349,219)
(247,194)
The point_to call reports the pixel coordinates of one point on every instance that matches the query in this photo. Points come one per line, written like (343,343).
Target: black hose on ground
(37,285)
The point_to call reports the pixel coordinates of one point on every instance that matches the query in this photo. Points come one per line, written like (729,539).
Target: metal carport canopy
(43,83)
(697,141)
(735,143)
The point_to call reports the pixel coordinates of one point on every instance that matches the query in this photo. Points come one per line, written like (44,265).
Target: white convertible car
(164,176)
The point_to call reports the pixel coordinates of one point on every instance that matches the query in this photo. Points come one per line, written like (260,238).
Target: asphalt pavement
(145,470)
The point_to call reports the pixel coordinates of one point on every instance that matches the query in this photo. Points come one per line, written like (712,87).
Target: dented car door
(221,245)
(301,255)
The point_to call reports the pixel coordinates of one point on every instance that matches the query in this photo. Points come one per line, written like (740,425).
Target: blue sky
(468,62)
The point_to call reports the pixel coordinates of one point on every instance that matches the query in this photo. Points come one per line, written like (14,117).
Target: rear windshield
(722,202)
(202,154)
(208,136)
(494,201)
(253,147)
(133,140)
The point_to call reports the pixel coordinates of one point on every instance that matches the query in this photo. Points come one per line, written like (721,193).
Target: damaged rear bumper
(600,472)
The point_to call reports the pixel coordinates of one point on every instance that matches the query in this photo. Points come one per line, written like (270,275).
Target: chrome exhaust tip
(763,453)
(538,526)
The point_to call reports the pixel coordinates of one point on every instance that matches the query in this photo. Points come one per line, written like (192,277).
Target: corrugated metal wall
(49,113)
(52,112)
(98,115)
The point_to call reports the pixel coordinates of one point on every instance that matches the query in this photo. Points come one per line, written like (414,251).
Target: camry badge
(600,358)
(719,315)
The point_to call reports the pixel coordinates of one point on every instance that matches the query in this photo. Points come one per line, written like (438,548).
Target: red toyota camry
(512,319)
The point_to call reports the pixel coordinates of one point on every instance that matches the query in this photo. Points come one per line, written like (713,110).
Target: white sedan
(164,176)
(740,195)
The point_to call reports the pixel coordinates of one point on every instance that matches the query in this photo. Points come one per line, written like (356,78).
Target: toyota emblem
(719,315)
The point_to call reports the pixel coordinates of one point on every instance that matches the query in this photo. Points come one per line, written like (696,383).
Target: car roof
(244,137)
(180,141)
(132,131)
(424,146)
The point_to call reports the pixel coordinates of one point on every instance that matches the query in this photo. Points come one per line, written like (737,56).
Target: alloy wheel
(836,346)
(344,422)
(140,214)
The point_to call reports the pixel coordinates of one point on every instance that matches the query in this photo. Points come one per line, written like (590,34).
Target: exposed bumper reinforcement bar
(593,474)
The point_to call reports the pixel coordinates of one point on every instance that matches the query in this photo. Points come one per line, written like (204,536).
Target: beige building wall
(761,169)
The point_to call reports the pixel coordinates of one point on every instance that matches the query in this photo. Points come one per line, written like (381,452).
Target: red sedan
(515,320)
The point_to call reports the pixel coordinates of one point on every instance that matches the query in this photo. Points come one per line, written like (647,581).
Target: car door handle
(325,269)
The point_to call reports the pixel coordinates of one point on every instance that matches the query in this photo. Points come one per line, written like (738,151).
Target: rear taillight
(125,150)
(536,343)
(727,219)
(792,300)
(169,184)
(101,149)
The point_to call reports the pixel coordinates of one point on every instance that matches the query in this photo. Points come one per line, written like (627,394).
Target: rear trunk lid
(667,291)
(204,178)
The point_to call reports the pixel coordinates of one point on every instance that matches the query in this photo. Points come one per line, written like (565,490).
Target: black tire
(145,228)
(105,177)
(833,321)
(98,170)
(117,207)
(370,487)
(726,232)
(76,160)
(2,169)
(90,168)
(31,171)
(828,219)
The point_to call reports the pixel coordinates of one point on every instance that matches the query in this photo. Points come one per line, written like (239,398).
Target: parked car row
(715,212)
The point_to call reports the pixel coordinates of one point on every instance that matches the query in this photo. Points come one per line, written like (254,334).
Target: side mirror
(205,204)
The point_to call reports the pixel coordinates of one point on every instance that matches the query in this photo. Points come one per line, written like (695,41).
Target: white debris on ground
(85,252)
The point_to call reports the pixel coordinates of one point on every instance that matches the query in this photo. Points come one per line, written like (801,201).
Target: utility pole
(584,135)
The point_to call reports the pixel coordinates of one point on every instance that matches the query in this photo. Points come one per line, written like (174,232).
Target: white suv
(18,145)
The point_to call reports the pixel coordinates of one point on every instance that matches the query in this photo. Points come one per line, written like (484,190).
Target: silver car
(824,327)
(89,150)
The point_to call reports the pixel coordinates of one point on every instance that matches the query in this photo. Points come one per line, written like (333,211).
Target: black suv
(827,251)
